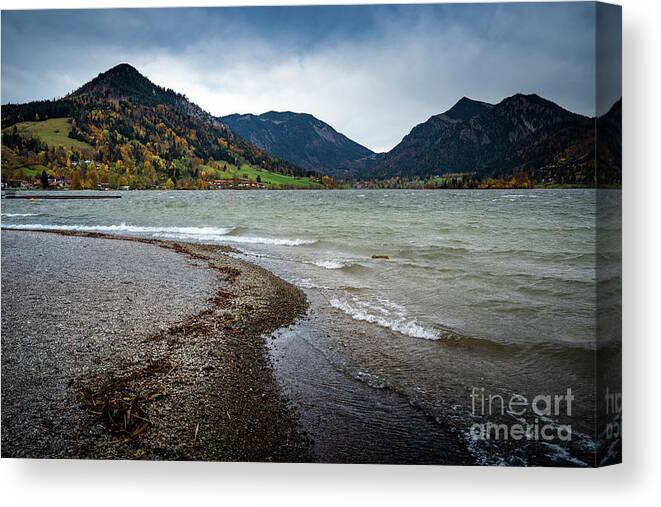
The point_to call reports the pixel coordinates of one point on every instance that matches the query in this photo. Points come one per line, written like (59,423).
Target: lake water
(427,294)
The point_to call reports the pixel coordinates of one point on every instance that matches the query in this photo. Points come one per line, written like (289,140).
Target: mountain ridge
(143,132)
(466,108)
(300,138)
(520,133)
(151,135)
(122,81)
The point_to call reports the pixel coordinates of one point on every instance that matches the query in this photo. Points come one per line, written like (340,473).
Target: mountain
(466,108)
(520,133)
(134,131)
(124,82)
(122,129)
(299,138)
(609,145)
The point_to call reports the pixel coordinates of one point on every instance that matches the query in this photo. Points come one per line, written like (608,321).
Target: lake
(432,295)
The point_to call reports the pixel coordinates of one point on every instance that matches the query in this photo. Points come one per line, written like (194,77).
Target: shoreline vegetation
(200,387)
(554,186)
(50,181)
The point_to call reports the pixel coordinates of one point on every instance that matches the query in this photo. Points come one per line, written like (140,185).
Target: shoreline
(262,370)
(28,191)
(334,419)
(200,387)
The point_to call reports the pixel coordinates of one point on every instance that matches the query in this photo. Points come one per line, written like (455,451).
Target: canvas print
(382,234)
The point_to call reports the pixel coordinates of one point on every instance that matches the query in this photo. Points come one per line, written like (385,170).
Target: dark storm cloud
(371,71)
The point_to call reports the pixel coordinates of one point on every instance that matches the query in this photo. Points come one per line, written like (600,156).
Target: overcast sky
(372,72)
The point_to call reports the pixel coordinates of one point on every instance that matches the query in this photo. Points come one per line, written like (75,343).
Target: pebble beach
(141,349)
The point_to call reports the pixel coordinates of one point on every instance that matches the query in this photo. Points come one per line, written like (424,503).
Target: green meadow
(53,132)
(248,172)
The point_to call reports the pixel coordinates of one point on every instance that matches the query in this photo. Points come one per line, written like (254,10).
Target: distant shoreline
(539,187)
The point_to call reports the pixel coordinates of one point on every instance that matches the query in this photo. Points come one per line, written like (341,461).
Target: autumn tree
(76,182)
(328,182)
(44,179)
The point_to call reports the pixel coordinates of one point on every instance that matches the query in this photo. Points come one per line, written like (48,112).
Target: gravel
(141,349)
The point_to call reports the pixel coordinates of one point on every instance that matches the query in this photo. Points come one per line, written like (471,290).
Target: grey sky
(372,72)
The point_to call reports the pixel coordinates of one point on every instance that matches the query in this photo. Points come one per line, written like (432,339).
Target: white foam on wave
(484,453)
(309,283)
(20,214)
(134,229)
(180,233)
(331,264)
(385,314)
(561,455)
(269,241)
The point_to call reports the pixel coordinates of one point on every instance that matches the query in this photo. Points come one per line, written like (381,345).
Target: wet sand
(141,349)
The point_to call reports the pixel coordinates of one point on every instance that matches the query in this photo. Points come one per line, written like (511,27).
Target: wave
(269,241)
(330,264)
(431,252)
(576,352)
(561,455)
(135,229)
(385,314)
(308,283)
(220,234)
(334,263)
(20,214)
